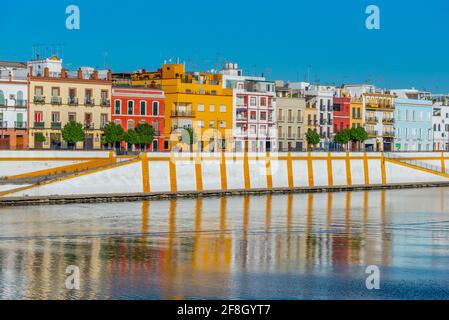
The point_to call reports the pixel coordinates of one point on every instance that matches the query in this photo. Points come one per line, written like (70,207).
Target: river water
(315,246)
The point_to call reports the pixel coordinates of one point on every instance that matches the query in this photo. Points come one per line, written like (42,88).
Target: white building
(254,109)
(13,105)
(440,126)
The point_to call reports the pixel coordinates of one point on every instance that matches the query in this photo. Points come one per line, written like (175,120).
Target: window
(253,115)
(155,108)
(72,117)
(2,98)
(263,101)
(253,101)
(118,122)
(212,108)
(223,109)
(103,119)
(252,129)
(55,92)
(130,107)
(223,124)
(200,123)
(211,124)
(38,91)
(72,93)
(130,124)
(55,118)
(38,116)
(118,106)
(263,116)
(201,108)
(88,94)
(143,108)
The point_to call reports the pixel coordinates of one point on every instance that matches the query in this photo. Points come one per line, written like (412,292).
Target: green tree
(312,137)
(358,136)
(343,137)
(146,134)
(132,138)
(113,134)
(72,133)
(40,137)
(188,137)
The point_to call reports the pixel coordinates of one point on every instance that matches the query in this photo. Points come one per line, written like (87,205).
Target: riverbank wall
(162,175)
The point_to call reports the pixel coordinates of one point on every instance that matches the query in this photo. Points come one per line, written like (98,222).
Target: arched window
(130,124)
(155,108)
(2,98)
(20,102)
(143,108)
(130,107)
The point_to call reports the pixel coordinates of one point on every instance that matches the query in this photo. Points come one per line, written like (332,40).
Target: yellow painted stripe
(437,173)
(330,171)
(199,173)
(310,170)
(366,169)
(246,171)
(145,173)
(348,170)
(223,172)
(383,169)
(443,163)
(290,171)
(173,179)
(269,172)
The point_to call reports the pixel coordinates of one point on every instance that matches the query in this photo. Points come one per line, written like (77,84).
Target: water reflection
(288,246)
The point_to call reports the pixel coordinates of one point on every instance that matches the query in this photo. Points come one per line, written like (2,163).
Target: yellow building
(356,112)
(193,100)
(58,97)
(310,117)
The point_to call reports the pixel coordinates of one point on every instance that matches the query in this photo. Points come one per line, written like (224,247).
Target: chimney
(10,76)
(46,72)
(95,75)
(64,73)
(109,75)
(80,74)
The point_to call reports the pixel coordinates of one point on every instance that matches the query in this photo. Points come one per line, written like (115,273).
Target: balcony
(372,133)
(72,101)
(183,114)
(56,101)
(89,126)
(39,125)
(105,102)
(388,121)
(20,125)
(39,100)
(21,103)
(56,125)
(89,102)
(3,125)
(371,120)
(388,134)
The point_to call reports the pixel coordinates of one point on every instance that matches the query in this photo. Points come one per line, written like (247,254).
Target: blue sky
(279,38)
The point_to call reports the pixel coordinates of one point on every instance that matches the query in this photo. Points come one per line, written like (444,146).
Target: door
(19,143)
(38,144)
(89,142)
(55,139)
(4,142)
(155,146)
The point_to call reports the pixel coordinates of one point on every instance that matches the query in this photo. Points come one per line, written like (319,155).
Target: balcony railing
(89,126)
(388,134)
(21,103)
(372,133)
(371,120)
(242,117)
(183,114)
(105,102)
(388,121)
(72,101)
(56,100)
(39,125)
(56,125)
(39,100)
(20,125)
(89,102)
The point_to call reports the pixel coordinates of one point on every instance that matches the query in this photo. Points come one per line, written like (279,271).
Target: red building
(342,115)
(134,105)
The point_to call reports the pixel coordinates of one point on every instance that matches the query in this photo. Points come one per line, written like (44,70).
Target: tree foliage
(188,137)
(358,134)
(113,134)
(312,137)
(73,132)
(146,134)
(343,137)
(40,137)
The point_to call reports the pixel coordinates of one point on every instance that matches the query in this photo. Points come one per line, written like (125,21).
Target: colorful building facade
(58,97)
(195,101)
(291,106)
(13,106)
(413,121)
(440,122)
(253,111)
(342,113)
(134,105)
